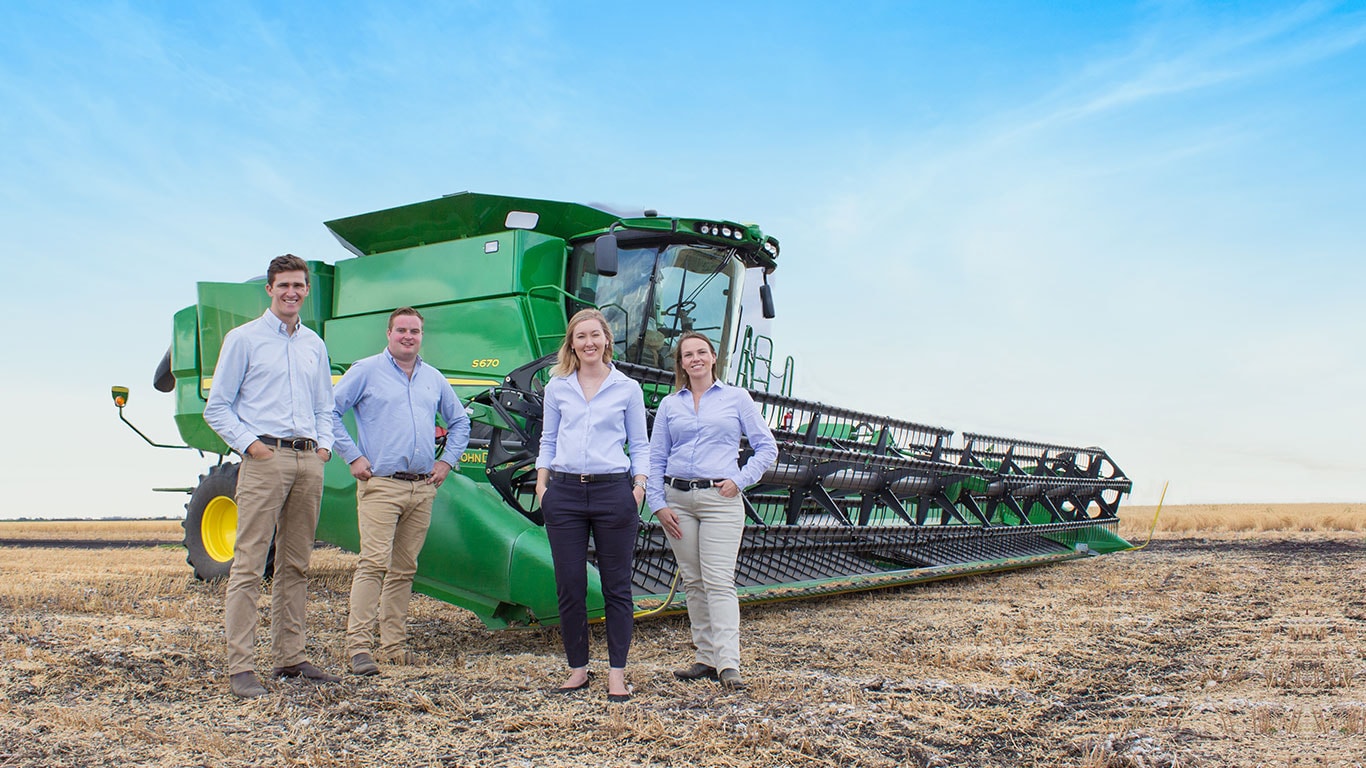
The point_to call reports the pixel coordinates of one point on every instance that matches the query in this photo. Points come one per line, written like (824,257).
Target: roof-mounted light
(720,230)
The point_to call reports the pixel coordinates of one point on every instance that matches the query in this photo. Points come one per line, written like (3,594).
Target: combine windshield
(659,292)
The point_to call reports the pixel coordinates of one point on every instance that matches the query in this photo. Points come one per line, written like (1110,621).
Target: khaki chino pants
(393,517)
(276,497)
(712,527)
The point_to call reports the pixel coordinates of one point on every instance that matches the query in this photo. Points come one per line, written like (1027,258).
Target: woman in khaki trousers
(694,489)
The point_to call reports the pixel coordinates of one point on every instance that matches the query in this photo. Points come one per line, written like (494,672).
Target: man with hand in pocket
(396,397)
(271,401)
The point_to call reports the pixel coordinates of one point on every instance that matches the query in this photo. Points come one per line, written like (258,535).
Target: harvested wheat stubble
(1210,649)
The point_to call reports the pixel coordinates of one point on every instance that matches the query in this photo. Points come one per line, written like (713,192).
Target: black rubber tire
(219,484)
(163,380)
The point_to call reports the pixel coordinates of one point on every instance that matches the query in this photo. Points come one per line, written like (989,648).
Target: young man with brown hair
(271,401)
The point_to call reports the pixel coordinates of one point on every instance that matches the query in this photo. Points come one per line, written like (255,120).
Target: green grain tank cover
(462,215)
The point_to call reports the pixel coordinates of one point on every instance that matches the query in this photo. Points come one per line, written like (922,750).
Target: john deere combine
(855,500)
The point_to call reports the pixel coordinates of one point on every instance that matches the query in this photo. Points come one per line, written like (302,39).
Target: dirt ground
(1206,648)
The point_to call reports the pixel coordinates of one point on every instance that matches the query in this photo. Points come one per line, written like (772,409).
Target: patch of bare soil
(1209,649)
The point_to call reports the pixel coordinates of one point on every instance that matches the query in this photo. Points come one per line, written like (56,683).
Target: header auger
(854,501)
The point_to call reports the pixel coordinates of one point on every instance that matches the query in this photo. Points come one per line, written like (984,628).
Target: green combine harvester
(855,501)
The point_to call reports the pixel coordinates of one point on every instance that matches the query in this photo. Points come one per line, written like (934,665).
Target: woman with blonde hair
(694,488)
(585,487)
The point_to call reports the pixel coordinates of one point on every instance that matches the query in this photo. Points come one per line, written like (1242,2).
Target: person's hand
(360,469)
(325,455)
(729,489)
(258,450)
(540,491)
(669,519)
(439,472)
(639,493)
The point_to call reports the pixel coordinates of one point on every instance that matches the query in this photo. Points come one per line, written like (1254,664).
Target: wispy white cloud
(1187,54)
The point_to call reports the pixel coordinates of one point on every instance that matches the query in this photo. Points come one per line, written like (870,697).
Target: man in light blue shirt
(396,397)
(271,401)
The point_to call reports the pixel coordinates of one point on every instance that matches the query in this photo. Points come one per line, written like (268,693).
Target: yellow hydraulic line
(673,590)
(1157,512)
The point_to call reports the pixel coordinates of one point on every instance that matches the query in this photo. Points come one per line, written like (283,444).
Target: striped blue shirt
(704,443)
(583,436)
(396,416)
(269,382)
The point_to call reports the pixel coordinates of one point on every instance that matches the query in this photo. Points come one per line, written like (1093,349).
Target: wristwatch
(638,483)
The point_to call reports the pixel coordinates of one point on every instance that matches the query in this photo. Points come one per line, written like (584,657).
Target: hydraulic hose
(1156,512)
(673,590)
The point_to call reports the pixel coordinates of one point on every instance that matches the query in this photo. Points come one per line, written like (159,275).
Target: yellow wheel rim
(218,528)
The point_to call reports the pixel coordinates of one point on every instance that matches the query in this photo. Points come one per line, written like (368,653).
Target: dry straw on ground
(1216,647)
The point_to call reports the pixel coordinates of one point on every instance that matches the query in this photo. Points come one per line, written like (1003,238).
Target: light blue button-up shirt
(704,444)
(269,382)
(396,416)
(582,436)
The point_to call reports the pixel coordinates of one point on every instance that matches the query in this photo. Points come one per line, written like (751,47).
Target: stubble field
(1237,638)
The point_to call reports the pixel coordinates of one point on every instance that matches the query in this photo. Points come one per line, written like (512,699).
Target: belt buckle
(693,485)
(299,444)
(585,478)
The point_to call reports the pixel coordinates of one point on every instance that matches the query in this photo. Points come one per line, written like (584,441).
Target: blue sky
(1131,225)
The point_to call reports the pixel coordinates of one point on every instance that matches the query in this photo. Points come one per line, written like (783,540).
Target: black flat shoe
(618,698)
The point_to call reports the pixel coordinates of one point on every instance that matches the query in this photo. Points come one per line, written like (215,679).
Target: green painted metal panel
(185,343)
(460,216)
(476,343)
(189,418)
(448,272)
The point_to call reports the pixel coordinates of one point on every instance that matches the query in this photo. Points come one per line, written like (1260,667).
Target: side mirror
(766,300)
(605,255)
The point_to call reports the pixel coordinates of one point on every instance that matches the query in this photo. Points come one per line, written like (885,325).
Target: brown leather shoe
(698,671)
(244,685)
(730,678)
(364,664)
(306,670)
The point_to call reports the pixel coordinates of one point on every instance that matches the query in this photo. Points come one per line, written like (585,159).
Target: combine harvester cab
(855,501)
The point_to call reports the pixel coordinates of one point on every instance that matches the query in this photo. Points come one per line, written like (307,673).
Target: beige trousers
(712,527)
(276,497)
(393,516)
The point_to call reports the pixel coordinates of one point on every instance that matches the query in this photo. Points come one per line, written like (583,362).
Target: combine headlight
(720,230)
